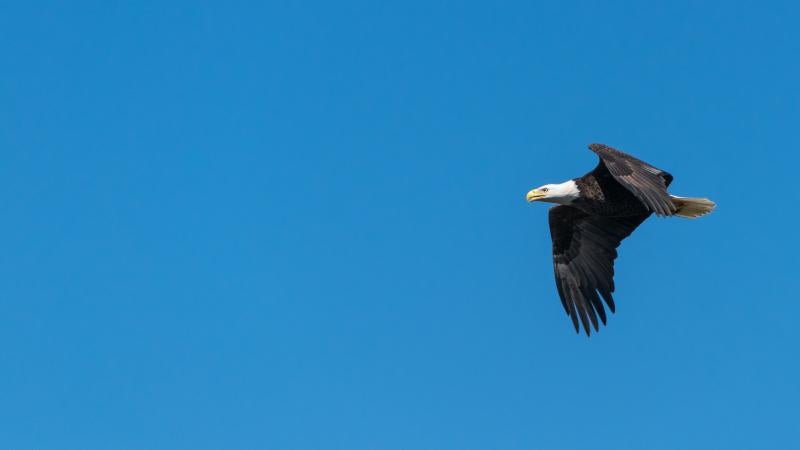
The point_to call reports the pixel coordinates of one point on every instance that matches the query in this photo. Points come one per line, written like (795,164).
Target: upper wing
(647,183)
(584,249)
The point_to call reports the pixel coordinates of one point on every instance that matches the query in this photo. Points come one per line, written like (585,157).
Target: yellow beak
(534,195)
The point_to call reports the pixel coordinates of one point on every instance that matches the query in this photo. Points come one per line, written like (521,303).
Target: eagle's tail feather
(692,208)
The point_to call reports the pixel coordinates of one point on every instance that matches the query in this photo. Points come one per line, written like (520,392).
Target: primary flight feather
(595,213)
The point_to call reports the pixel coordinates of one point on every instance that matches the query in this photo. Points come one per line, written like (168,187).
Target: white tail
(692,208)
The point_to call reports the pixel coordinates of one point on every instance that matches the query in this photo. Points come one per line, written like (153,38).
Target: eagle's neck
(564,193)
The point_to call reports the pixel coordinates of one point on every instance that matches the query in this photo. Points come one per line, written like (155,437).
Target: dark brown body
(599,186)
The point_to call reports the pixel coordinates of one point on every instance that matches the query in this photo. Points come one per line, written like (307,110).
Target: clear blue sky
(302,226)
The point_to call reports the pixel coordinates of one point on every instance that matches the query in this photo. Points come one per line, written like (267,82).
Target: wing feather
(648,183)
(584,250)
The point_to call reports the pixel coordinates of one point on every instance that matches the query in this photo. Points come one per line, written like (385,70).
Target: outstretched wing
(584,249)
(647,183)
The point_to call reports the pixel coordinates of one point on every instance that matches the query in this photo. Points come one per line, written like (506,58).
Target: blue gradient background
(295,225)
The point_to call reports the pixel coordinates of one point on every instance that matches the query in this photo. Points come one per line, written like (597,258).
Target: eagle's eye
(545,189)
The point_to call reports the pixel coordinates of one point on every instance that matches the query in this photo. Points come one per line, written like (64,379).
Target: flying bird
(594,214)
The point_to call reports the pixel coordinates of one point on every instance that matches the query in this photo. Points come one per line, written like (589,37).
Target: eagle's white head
(563,193)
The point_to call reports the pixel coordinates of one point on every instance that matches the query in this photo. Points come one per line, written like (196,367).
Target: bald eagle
(594,214)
